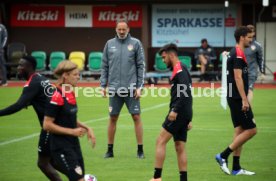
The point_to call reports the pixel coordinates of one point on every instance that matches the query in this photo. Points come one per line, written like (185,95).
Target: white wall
(266,35)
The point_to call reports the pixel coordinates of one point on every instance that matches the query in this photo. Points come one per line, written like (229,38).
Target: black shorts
(44,144)
(177,128)
(70,162)
(239,117)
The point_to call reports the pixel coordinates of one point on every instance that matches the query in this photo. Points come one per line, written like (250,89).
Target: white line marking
(19,139)
(89,121)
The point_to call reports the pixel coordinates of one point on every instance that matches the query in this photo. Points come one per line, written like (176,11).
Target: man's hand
(207,57)
(262,77)
(190,126)
(103,92)
(172,116)
(137,93)
(78,132)
(245,105)
(91,137)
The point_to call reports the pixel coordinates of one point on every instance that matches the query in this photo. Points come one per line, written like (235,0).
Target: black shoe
(201,78)
(140,155)
(109,155)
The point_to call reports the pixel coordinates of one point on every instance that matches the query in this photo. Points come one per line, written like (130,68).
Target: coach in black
(179,118)
(241,113)
(35,94)
(61,121)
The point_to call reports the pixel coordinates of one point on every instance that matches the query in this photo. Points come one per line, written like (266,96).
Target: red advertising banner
(230,21)
(106,16)
(37,16)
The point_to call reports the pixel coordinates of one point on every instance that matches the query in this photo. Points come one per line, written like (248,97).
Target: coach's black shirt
(63,107)
(181,95)
(236,60)
(33,94)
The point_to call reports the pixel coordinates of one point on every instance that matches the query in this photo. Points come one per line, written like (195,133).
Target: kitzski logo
(41,16)
(113,16)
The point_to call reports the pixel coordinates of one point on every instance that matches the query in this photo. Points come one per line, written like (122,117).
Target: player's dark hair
(204,40)
(251,27)
(123,20)
(168,48)
(241,31)
(31,60)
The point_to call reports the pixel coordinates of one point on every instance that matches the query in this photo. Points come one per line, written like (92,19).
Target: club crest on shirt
(78,170)
(110,108)
(253,47)
(130,47)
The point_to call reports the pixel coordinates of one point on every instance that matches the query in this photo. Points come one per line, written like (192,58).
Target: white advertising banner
(78,16)
(187,24)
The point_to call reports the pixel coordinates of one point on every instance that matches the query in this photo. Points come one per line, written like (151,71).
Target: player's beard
(22,75)
(247,45)
(120,37)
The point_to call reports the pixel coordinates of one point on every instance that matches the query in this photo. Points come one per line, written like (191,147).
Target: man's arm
(260,58)
(213,55)
(240,86)
(50,126)
(183,88)
(24,100)
(105,67)
(5,35)
(140,65)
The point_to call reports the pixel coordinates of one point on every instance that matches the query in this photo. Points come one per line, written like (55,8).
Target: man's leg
(115,105)
(139,135)
(111,130)
(160,152)
(133,106)
(236,145)
(203,62)
(242,138)
(237,170)
(251,82)
(237,152)
(182,159)
(138,128)
(45,166)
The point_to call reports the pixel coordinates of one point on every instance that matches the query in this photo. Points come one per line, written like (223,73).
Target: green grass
(212,132)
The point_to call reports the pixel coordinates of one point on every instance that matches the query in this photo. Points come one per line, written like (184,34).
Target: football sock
(157,173)
(183,176)
(140,148)
(110,148)
(236,163)
(225,154)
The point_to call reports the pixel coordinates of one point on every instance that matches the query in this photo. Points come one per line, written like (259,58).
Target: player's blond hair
(64,66)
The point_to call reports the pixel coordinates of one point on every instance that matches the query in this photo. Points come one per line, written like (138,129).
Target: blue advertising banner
(187,24)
